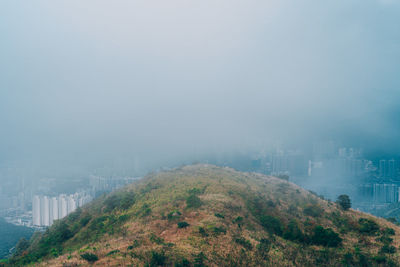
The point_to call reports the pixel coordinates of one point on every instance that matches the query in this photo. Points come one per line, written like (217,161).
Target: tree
(344,202)
(21,246)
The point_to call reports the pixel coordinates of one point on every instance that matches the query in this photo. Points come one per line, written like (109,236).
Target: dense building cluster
(45,209)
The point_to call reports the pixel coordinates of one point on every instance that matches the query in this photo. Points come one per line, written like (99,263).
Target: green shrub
(313,210)
(123,218)
(193,201)
(219,215)
(85,220)
(173,215)
(388,231)
(145,210)
(112,252)
(218,230)
(157,258)
(368,226)
(203,232)
(21,246)
(293,232)
(119,200)
(238,220)
(183,224)
(182,263)
(380,259)
(134,245)
(270,203)
(385,239)
(127,199)
(271,224)
(325,237)
(199,260)
(263,248)
(388,249)
(97,224)
(156,239)
(244,242)
(89,257)
(348,259)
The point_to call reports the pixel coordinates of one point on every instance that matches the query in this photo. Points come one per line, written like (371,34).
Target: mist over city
(95,95)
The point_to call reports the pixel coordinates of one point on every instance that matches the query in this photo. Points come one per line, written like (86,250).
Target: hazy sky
(95,79)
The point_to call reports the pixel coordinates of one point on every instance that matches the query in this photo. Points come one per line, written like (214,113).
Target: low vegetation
(205,215)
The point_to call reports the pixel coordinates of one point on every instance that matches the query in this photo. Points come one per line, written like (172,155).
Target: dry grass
(227,192)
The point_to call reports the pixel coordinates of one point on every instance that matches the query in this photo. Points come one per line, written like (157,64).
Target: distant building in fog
(383,169)
(37,220)
(388,168)
(385,193)
(45,210)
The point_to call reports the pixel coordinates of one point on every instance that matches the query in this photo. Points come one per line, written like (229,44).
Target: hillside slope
(10,234)
(204,215)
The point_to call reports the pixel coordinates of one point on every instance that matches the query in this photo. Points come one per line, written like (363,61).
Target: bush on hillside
(219,215)
(325,237)
(203,232)
(182,263)
(263,248)
(368,226)
(272,224)
(243,242)
(199,260)
(157,258)
(389,231)
(119,200)
(313,210)
(90,257)
(193,201)
(293,232)
(21,246)
(174,215)
(388,249)
(183,224)
(217,230)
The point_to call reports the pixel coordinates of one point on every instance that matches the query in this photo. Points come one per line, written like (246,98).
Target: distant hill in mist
(10,234)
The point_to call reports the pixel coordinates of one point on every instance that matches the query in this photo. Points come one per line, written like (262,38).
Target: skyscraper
(45,211)
(36,211)
(383,168)
(62,206)
(391,169)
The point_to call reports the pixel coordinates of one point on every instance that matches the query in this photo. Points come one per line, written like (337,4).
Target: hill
(204,215)
(10,234)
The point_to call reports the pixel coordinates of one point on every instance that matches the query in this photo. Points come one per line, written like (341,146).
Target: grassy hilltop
(204,215)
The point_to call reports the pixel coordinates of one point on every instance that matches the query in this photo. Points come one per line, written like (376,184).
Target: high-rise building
(55,212)
(45,211)
(71,204)
(62,206)
(36,217)
(385,193)
(383,168)
(391,168)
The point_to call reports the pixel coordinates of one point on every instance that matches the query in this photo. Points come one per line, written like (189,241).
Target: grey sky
(169,78)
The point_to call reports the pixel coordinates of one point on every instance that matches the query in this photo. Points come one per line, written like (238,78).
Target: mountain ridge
(204,215)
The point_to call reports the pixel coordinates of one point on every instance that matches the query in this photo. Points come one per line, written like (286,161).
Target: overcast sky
(95,79)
